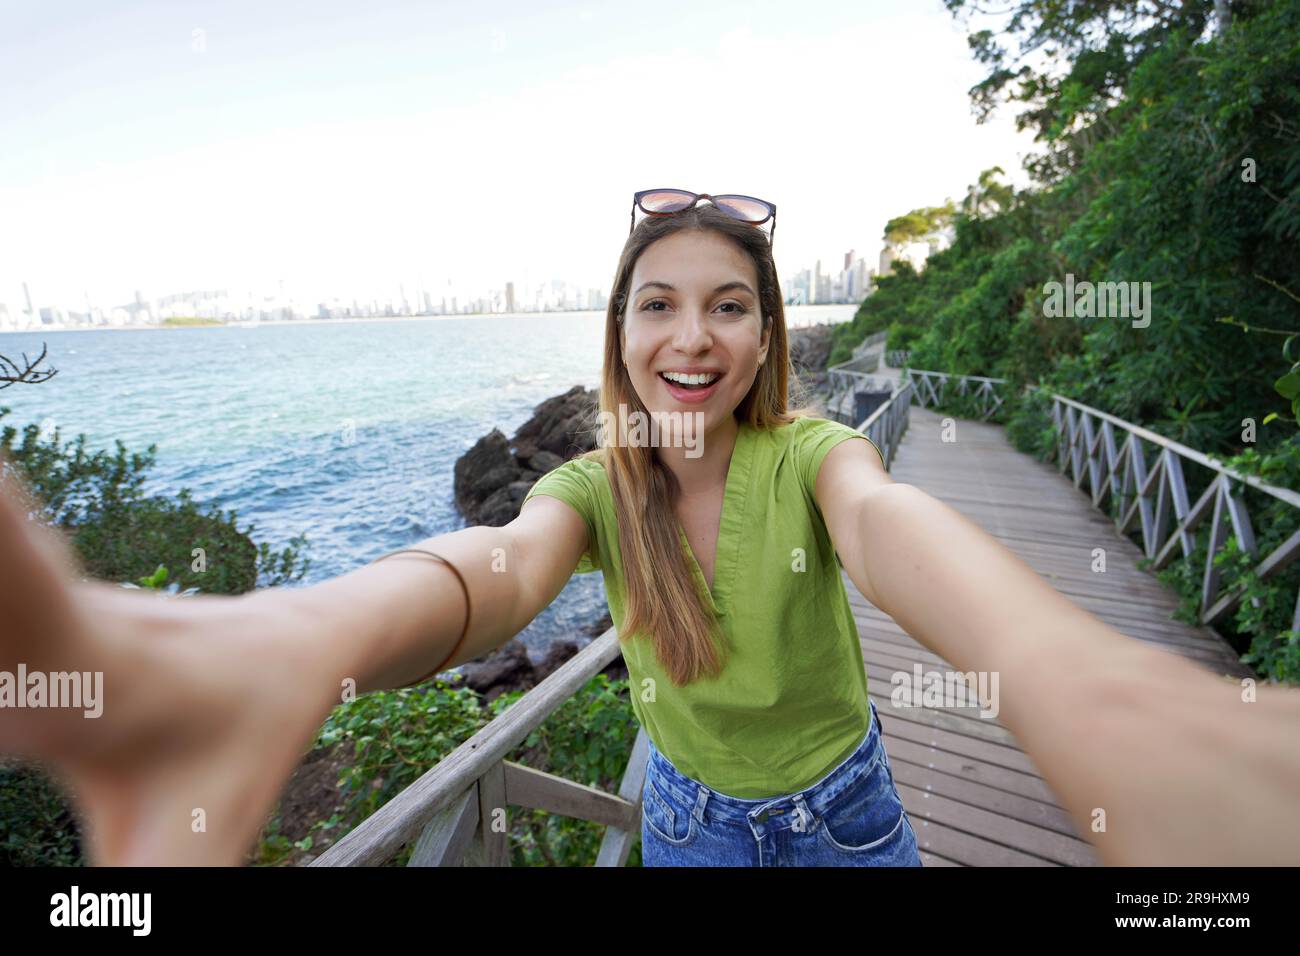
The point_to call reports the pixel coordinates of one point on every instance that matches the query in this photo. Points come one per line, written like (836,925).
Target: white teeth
(704,378)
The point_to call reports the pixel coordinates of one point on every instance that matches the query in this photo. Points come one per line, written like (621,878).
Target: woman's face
(693,307)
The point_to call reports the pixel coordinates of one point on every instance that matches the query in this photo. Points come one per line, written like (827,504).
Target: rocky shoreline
(492,478)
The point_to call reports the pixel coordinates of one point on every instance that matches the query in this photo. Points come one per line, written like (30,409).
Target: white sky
(347,147)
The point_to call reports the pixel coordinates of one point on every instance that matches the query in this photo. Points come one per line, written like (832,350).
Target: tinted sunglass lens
(668,200)
(750,210)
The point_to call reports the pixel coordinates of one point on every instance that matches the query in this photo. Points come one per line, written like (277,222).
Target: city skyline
(810,286)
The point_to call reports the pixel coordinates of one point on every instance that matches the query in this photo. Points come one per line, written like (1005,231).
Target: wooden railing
(850,375)
(1151,492)
(871,341)
(932,389)
(888,423)
(457,814)
(897,358)
(1150,496)
(847,380)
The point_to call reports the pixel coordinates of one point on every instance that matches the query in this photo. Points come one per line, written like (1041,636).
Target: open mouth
(691,389)
(691,383)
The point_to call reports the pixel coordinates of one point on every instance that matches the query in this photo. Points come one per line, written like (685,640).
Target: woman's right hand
(207,708)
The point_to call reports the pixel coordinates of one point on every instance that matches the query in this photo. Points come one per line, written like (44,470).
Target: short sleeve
(819,436)
(571,483)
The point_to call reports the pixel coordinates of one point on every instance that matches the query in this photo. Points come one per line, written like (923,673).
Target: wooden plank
(618,841)
(1020,795)
(1050,845)
(538,790)
(968,849)
(449,834)
(494,816)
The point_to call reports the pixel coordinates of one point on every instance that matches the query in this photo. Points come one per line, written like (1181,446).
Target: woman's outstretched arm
(207,703)
(1179,766)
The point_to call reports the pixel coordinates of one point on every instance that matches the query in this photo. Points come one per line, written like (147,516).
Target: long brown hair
(663,599)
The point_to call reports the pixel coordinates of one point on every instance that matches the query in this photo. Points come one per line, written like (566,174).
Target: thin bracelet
(468,606)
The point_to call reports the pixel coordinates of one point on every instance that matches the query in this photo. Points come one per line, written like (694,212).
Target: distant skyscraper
(28,296)
(848,260)
(510,296)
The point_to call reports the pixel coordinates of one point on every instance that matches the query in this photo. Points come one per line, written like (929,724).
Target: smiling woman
(721,576)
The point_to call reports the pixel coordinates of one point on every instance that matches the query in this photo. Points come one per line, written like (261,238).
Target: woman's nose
(692,332)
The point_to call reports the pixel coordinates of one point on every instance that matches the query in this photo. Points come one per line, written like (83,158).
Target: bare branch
(11,372)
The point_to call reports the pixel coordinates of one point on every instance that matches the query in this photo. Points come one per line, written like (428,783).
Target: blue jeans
(851,817)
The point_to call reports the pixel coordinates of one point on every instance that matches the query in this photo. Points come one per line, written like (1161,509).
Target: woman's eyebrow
(725,287)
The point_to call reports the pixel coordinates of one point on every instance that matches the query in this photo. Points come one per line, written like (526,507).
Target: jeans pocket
(868,815)
(666,819)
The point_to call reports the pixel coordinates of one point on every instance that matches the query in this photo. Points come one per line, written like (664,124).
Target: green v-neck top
(791,701)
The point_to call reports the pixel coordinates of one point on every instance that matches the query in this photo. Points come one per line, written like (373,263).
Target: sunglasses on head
(666,202)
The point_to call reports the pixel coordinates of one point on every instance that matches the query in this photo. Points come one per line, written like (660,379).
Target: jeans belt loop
(701,798)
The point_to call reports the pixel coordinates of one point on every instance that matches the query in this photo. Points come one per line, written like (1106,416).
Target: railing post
(1218,534)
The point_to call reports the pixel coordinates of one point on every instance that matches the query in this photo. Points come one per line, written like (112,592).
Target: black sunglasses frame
(695,199)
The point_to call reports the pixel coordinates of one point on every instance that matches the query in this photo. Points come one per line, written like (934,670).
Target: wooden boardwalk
(974,797)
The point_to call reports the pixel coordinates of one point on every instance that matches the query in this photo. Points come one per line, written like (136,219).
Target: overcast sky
(346,147)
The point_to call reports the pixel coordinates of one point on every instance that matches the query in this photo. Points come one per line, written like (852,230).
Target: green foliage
(37,827)
(275,848)
(398,735)
(1172,160)
(189,321)
(1084,51)
(969,406)
(1029,426)
(122,535)
(918,224)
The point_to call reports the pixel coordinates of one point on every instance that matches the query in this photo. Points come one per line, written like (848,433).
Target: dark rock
(545,461)
(810,347)
(483,469)
(502,506)
(506,669)
(563,425)
(491,479)
(509,669)
(556,655)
